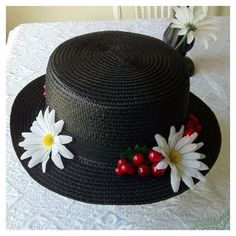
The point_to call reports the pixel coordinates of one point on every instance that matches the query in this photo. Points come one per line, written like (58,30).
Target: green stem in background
(182,40)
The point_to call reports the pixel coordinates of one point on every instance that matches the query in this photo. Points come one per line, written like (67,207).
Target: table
(31,206)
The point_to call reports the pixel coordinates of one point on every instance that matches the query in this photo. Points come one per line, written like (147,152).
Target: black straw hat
(113,90)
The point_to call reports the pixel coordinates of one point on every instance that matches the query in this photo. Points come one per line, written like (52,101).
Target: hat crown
(117,89)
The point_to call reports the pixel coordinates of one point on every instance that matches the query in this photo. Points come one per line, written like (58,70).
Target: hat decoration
(44,141)
(190,25)
(193,23)
(179,153)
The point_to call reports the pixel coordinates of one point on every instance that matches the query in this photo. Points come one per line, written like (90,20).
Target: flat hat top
(118,67)
(108,85)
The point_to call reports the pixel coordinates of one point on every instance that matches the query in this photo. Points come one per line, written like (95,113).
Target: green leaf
(131,151)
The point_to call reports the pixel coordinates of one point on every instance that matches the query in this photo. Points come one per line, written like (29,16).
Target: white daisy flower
(194,23)
(44,141)
(180,154)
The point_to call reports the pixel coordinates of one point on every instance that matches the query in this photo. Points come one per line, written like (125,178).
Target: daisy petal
(181,132)
(34,161)
(174,169)
(198,146)
(37,158)
(35,129)
(186,141)
(58,126)
(182,142)
(202,156)
(203,166)
(33,140)
(27,154)
(188,181)
(162,164)
(198,17)
(177,23)
(172,132)
(51,121)
(28,146)
(45,160)
(180,15)
(208,28)
(191,156)
(64,139)
(175,182)
(160,150)
(22,144)
(57,161)
(187,170)
(188,148)
(190,37)
(193,137)
(65,152)
(55,150)
(187,13)
(178,26)
(198,175)
(29,135)
(191,163)
(162,142)
(174,140)
(46,113)
(41,122)
(182,31)
(34,147)
(206,21)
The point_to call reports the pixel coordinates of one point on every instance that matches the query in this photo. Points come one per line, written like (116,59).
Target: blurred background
(16,15)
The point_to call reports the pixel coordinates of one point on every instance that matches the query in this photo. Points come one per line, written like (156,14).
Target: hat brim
(95,182)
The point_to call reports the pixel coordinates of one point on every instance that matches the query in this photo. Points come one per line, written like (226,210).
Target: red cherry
(190,125)
(138,159)
(198,128)
(131,170)
(120,162)
(118,171)
(188,132)
(193,118)
(156,171)
(143,170)
(154,156)
(44,93)
(125,168)
(44,86)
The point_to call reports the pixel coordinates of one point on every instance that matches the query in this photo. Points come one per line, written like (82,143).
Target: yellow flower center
(47,140)
(174,156)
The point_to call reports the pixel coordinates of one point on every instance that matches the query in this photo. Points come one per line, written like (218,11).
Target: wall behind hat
(16,15)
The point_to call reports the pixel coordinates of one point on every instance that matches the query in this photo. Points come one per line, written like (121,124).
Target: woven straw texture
(108,112)
(117,89)
(95,182)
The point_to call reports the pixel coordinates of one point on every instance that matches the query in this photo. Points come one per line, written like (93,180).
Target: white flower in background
(180,154)
(44,141)
(194,23)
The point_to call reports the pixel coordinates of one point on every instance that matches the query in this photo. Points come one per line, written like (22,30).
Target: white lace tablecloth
(31,206)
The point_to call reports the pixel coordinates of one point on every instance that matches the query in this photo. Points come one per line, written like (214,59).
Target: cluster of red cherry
(44,90)
(140,164)
(192,125)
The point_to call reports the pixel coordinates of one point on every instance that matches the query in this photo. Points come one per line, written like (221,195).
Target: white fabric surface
(31,206)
